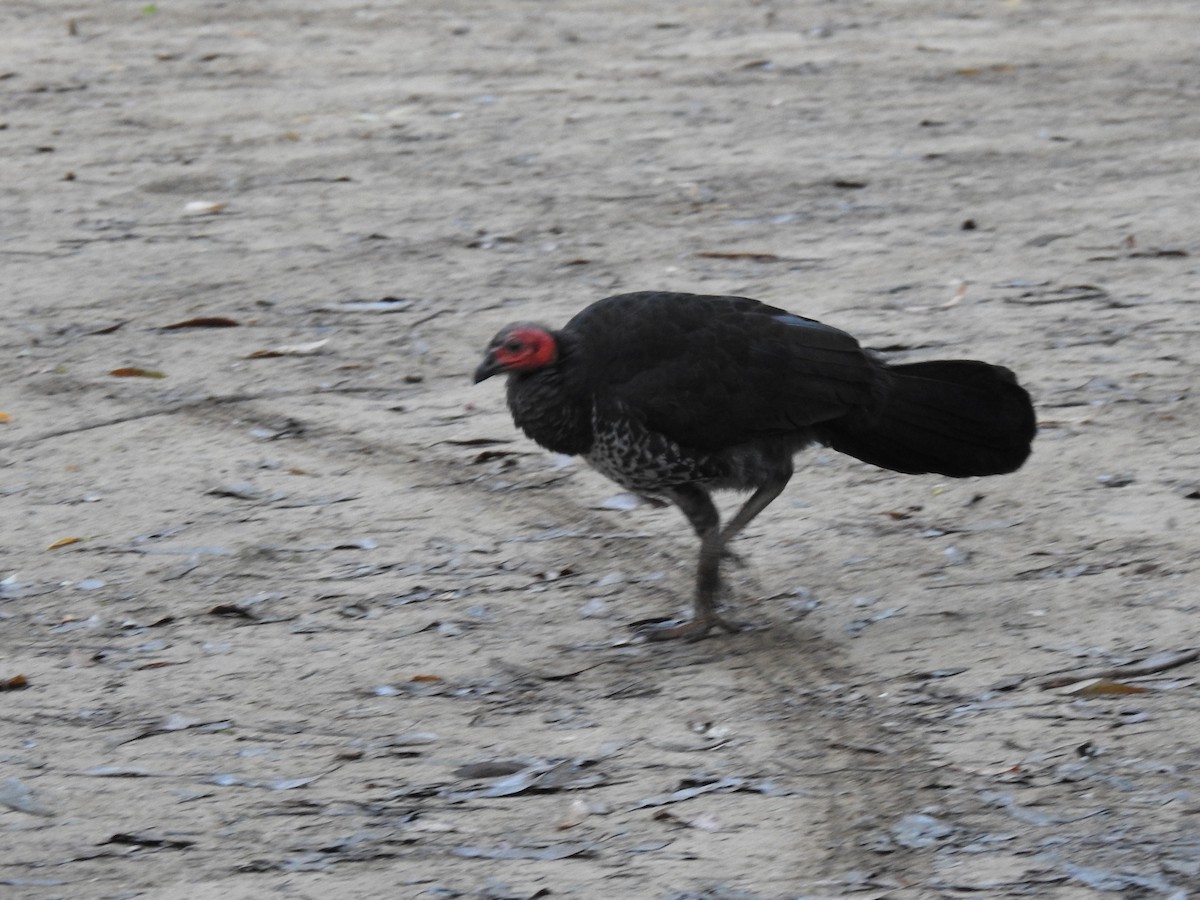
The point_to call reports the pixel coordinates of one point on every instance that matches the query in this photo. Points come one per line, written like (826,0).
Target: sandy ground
(319,623)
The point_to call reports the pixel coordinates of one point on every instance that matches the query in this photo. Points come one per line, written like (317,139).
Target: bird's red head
(522,347)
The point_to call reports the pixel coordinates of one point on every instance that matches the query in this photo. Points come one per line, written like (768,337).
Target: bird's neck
(549,412)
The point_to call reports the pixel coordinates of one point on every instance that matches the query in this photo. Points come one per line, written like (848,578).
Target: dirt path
(317,622)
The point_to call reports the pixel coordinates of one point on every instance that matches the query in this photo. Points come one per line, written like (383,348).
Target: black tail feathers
(952,417)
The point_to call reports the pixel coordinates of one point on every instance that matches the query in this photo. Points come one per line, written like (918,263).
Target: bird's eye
(513,345)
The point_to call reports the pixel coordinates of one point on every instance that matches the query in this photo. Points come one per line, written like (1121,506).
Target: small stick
(1159,662)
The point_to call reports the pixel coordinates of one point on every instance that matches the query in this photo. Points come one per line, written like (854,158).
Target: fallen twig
(184,406)
(1159,662)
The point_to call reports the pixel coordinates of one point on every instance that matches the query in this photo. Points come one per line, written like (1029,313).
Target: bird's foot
(692,630)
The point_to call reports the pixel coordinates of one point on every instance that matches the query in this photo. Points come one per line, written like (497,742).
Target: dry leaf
(997,69)
(1104,687)
(63,542)
(426,678)
(108,329)
(5,418)
(748,254)
(134,372)
(14,684)
(289,350)
(202,208)
(203,322)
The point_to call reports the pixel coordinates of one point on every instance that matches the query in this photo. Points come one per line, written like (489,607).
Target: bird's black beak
(487,368)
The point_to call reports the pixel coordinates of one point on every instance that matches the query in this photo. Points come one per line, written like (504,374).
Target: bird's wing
(713,372)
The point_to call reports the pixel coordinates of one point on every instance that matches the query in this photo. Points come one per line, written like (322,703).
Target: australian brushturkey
(674,395)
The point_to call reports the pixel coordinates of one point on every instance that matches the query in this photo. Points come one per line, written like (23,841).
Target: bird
(674,395)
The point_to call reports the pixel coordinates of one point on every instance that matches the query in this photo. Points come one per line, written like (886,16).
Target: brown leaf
(723,254)
(63,542)
(107,329)
(15,683)
(134,372)
(5,418)
(997,69)
(203,322)
(1104,687)
(289,350)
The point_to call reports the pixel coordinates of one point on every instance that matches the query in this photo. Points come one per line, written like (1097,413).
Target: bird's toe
(673,629)
(695,629)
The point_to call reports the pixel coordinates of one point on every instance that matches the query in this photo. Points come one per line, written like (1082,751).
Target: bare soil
(318,622)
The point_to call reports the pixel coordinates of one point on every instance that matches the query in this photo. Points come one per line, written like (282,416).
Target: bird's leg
(702,525)
(758,501)
(696,503)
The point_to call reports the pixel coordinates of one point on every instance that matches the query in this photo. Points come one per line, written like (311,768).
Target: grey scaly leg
(696,503)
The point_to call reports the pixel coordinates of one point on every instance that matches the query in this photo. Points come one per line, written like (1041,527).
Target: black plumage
(674,395)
